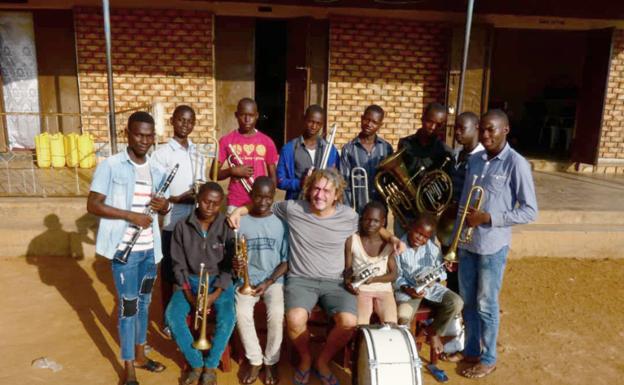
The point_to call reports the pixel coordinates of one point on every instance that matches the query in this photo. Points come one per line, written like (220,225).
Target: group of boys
(297,247)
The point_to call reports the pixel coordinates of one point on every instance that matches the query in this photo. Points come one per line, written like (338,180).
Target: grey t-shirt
(316,244)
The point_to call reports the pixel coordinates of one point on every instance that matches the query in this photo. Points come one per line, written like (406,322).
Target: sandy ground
(562,323)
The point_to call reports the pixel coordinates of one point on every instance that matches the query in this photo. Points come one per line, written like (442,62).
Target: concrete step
(569,240)
(61,227)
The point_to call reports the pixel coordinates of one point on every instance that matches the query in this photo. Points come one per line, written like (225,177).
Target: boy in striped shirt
(122,188)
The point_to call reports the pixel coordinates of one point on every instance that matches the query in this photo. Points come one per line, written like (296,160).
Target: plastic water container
(86,151)
(71,150)
(57,150)
(42,150)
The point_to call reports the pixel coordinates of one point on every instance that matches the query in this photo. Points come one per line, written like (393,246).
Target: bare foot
(436,344)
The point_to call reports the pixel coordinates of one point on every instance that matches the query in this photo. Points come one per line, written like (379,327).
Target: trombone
(462,234)
(209,150)
(201,309)
(359,181)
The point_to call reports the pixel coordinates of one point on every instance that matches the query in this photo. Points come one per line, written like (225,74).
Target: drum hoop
(416,363)
(372,356)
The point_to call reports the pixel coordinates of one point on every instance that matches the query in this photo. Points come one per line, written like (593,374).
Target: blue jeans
(134,282)
(480,281)
(176,315)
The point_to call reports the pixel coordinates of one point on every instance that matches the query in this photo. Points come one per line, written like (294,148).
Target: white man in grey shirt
(318,229)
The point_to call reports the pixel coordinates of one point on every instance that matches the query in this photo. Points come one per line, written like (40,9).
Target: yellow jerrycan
(42,150)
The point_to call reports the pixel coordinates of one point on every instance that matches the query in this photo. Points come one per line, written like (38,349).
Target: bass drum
(385,355)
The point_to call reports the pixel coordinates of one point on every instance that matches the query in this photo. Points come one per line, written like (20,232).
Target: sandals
(192,378)
(252,375)
(152,366)
(209,377)
(330,379)
(452,357)
(302,377)
(271,376)
(478,371)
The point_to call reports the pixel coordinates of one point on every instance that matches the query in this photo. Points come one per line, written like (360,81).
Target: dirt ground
(562,323)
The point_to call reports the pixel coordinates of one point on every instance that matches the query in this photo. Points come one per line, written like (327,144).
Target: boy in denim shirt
(122,188)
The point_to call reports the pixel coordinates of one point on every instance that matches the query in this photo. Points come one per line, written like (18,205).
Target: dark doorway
(270,78)
(537,77)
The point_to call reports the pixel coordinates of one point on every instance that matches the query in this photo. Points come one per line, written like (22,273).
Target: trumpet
(240,254)
(209,150)
(235,160)
(363,274)
(426,278)
(359,181)
(462,234)
(201,309)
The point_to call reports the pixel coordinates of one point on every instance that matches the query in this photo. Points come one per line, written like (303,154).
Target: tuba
(425,191)
(201,309)
(240,253)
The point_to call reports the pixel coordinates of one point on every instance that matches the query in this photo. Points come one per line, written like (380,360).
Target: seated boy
(422,255)
(267,252)
(202,238)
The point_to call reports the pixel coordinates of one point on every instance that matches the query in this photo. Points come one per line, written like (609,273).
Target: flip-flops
(327,380)
(437,373)
(471,372)
(152,366)
(302,377)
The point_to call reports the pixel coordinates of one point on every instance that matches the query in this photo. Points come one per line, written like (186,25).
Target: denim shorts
(329,294)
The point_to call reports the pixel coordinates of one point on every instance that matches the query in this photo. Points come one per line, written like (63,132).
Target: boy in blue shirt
(422,255)
(267,250)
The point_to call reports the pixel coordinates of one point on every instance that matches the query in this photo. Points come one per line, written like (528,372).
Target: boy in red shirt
(255,149)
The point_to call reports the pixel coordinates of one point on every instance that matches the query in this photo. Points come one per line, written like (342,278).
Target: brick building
(557,70)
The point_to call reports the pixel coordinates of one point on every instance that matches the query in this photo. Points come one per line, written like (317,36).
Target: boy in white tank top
(367,250)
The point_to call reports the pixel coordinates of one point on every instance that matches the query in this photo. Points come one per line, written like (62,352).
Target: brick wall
(163,55)
(612,140)
(398,64)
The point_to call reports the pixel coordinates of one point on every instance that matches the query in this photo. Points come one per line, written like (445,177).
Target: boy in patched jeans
(422,254)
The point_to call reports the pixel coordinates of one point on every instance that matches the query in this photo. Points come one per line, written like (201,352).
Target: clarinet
(123,257)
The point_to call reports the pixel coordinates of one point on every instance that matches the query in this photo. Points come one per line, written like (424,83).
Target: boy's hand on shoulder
(398,246)
(139,219)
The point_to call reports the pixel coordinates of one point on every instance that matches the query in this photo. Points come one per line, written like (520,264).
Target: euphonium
(201,309)
(474,199)
(427,277)
(363,274)
(240,253)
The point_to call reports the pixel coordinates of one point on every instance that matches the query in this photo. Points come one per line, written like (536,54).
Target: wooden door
(591,101)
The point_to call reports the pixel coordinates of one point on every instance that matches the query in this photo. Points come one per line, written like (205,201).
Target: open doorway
(537,78)
(270,77)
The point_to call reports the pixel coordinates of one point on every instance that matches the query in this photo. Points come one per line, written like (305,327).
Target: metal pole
(109,70)
(462,74)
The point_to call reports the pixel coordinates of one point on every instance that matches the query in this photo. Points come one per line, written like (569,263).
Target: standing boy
(267,250)
(179,150)
(366,150)
(203,237)
(255,149)
(303,153)
(509,200)
(123,187)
